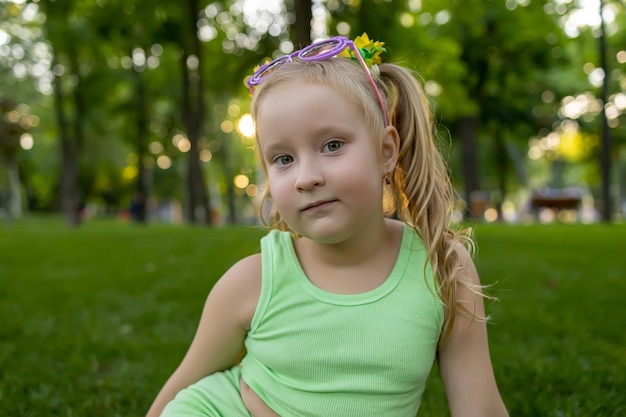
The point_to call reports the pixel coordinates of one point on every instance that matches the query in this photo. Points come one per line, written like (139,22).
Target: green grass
(93,320)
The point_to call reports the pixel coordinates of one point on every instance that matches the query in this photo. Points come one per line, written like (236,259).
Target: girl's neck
(356,266)
(368,244)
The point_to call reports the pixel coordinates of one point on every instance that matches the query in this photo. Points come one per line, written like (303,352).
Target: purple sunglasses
(318,51)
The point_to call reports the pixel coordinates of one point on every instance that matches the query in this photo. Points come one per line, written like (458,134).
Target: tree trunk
(140,197)
(605,151)
(70,203)
(301,29)
(78,133)
(10,133)
(15,190)
(198,210)
(501,162)
(468,128)
(70,198)
(230,187)
(469,124)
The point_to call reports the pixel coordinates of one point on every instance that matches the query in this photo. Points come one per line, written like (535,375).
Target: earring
(386,177)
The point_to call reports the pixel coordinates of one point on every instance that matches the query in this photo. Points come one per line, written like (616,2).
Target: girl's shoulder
(248,264)
(240,286)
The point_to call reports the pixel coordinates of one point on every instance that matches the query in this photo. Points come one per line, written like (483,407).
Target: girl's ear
(389,149)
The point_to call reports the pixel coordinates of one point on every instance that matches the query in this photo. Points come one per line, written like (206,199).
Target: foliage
(95,320)
(110,47)
(511,64)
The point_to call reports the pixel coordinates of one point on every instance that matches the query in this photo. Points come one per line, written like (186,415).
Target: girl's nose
(309,175)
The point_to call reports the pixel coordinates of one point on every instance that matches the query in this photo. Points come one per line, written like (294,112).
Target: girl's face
(324,169)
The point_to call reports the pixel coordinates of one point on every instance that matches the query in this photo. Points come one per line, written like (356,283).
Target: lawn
(93,320)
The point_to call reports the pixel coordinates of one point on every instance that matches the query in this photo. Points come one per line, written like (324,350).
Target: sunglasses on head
(319,51)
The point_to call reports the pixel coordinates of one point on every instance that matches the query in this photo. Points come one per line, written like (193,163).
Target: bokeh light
(246,125)
(241,181)
(206,155)
(227,126)
(26,141)
(252,190)
(164,162)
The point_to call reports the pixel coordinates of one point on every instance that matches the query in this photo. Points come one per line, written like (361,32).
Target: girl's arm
(218,341)
(464,360)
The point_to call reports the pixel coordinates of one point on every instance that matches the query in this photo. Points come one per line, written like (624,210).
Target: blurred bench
(558,203)
(556,199)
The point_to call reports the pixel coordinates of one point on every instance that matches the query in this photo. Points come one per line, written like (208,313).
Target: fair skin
(325,173)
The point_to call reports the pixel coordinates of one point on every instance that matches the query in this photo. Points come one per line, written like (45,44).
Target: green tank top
(315,353)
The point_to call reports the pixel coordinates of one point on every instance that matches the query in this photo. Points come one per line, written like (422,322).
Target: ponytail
(422,193)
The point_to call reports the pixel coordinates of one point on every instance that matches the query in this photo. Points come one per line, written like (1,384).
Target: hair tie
(369,50)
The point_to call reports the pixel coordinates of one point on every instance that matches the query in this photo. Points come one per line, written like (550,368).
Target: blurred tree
(193,108)
(81,79)
(126,32)
(69,99)
(13,124)
(13,119)
(517,60)
(506,49)
(301,28)
(606,157)
(594,99)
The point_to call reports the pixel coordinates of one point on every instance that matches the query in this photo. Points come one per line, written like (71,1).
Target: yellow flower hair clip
(370,51)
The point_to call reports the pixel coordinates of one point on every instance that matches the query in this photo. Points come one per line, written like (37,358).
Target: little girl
(345,310)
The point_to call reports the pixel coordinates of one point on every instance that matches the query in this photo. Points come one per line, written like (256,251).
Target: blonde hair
(420,193)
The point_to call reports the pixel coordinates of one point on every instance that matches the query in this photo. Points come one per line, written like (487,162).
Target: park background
(127,182)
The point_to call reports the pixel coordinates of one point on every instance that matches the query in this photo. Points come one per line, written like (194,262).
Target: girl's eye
(333,146)
(283,160)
